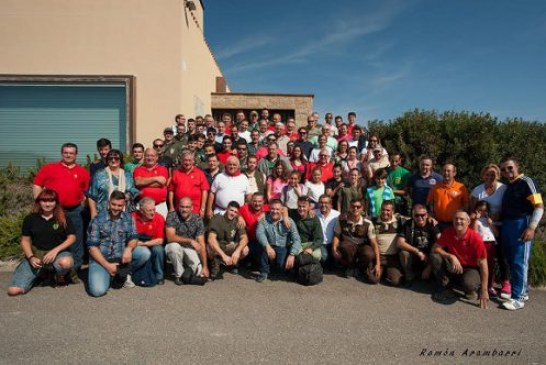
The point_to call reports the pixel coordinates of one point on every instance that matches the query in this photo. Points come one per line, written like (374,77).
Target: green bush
(10,235)
(468,140)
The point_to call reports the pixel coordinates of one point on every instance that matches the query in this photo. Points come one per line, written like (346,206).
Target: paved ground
(238,321)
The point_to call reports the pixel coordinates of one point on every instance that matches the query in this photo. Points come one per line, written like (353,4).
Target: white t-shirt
(494,200)
(328,224)
(315,190)
(314,156)
(486,233)
(246,136)
(289,196)
(228,188)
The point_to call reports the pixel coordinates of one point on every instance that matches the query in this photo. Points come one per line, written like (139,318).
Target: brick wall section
(302,104)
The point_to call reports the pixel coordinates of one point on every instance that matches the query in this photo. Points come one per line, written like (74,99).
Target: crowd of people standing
(261,193)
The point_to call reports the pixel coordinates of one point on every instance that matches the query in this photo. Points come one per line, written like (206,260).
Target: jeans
(25,275)
(77,248)
(326,257)
(278,263)
(158,261)
(99,278)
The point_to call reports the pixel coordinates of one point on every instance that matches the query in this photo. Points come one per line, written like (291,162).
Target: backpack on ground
(309,270)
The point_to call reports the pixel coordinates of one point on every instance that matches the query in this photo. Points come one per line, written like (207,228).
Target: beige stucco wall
(302,104)
(158,42)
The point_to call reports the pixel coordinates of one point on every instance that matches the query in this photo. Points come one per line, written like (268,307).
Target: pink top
(300,168)
(276,187)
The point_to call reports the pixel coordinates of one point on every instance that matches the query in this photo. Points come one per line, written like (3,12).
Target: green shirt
(398,178)
(378,196)
(131,166)
(226,230)
(310,229)
(348,193)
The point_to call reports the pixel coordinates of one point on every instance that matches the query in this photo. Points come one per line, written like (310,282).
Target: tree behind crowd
(468,140)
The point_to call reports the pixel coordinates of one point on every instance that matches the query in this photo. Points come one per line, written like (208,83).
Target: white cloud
(244,46)
(339,33)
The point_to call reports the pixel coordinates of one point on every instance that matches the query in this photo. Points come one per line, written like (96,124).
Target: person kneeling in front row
(277,243)
(227,241)
(113,251)
(47,234)
(462,261)
(186,248)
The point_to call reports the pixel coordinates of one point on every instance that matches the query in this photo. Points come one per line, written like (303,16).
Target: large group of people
(260,194)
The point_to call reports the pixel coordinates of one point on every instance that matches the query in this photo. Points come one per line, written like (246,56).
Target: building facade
(79,70)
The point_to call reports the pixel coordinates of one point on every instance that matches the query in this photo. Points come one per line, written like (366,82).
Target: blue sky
(382,58)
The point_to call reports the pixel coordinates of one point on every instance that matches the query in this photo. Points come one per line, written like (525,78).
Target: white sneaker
(129,282)
(513,305)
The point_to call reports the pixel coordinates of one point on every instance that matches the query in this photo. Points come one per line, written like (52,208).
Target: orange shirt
(446,200)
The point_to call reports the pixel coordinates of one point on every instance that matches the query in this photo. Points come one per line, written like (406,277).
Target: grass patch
(537,266)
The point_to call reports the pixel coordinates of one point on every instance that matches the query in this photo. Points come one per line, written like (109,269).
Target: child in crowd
(483,224)
(354,190)
(379,192)
(315,186)
(334,184)
(277,181)
(293,191)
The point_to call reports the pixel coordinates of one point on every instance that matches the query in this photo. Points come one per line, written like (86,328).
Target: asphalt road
(238,321)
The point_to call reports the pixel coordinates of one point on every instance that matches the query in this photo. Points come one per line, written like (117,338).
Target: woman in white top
(491,191)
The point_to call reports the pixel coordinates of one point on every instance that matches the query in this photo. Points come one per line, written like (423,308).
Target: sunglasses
(302,132)
(113,158)
(507,168)
(419,215)
(158,145)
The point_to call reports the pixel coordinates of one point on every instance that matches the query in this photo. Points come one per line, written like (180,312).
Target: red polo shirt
(468,249)
(70,183)
(251,219)
(189,184)
(327,171)
(158,194)
(154,228)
